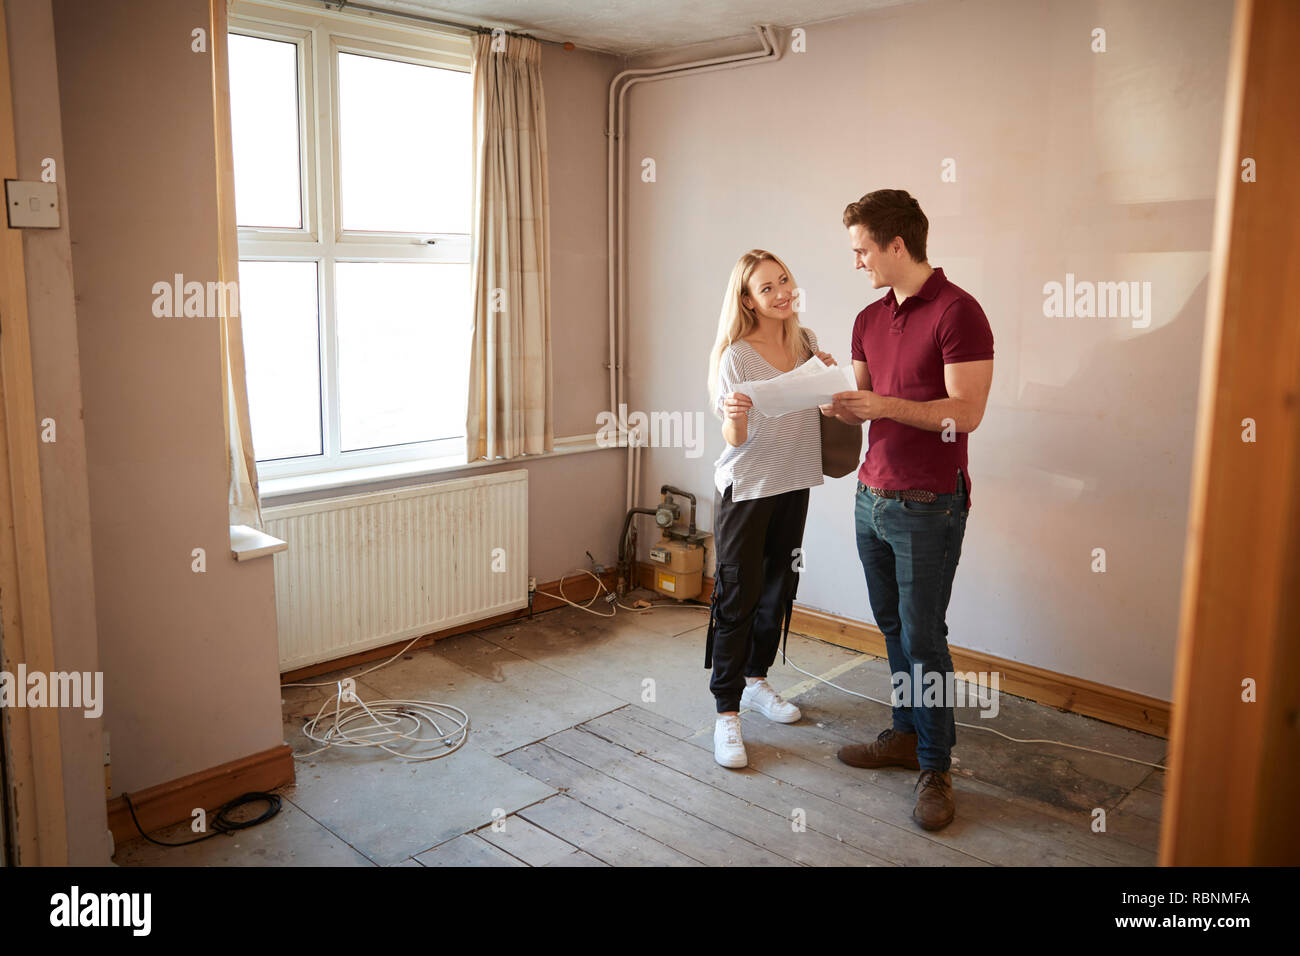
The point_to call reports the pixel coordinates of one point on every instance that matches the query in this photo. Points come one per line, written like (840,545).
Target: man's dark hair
(887,213)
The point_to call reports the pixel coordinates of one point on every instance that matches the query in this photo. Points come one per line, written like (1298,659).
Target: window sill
(349,477)
(248,543)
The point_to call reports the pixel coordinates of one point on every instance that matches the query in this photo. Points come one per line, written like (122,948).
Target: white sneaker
(769,703)
(728,748)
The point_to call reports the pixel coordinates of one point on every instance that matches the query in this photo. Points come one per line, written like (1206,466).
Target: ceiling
(632,27)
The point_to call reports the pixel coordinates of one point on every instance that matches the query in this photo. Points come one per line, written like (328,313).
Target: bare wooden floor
(591,745)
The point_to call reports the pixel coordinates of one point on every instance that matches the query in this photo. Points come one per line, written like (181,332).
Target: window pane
(278,309)
(404,146)
(403,335)
(264,128)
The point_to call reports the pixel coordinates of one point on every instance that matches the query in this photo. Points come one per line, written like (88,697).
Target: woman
(762,482)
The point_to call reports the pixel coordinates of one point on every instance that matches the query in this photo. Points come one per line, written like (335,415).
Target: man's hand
(856,407)
(967,385)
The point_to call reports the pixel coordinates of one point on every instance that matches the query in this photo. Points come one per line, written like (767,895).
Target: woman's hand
(736,406)
(827,410)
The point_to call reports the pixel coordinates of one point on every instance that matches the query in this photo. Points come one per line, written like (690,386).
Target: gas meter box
(678,568)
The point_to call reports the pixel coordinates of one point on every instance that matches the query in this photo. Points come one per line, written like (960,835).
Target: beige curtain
(509,411)
(245,507)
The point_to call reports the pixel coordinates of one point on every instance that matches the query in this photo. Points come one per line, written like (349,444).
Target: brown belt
(922,496)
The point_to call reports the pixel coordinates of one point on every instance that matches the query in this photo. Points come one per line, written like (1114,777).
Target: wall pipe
(616,232)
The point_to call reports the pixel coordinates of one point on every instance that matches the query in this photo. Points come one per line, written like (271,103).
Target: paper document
(811,384)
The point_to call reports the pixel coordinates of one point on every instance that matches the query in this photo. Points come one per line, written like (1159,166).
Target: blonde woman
(762,482)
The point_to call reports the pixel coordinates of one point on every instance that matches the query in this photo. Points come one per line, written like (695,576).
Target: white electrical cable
(385,716)
(326,683)
(386,723)
(990,730)
(1018,740)
(601,588)
(382,723)
(388,714)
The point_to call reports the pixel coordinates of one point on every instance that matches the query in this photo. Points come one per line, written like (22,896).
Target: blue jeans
(909,552)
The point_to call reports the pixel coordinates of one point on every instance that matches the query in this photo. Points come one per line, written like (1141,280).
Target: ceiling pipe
(615,211)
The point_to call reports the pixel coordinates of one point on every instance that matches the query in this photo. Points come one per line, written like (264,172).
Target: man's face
(867,255)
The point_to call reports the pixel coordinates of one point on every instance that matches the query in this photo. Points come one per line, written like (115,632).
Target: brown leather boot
(890,749)
(934,807)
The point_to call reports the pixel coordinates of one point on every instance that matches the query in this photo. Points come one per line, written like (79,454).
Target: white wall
(1099,164)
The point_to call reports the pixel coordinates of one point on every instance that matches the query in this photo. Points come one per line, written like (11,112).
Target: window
(353,189)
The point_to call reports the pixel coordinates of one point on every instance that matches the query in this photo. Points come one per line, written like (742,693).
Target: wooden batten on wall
(31,736)
(1232,786)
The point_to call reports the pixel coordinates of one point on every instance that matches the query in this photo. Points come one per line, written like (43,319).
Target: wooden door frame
(38,827)
(1232,782)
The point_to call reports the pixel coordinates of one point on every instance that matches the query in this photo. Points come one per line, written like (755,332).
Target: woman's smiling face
(769,291)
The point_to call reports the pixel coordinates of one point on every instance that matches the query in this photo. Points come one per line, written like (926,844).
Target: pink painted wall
(189,659)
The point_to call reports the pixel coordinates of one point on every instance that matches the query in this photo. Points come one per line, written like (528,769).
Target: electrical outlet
(532,585)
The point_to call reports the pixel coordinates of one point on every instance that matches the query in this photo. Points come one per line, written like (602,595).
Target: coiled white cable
(385,723)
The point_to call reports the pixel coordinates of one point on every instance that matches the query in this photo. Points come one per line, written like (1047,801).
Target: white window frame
(320,35)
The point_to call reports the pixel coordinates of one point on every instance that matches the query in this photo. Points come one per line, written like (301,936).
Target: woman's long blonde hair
(737,320)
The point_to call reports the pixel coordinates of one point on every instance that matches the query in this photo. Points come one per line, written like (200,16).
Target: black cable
(220,823)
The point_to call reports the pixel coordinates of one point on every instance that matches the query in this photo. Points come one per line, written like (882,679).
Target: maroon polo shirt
(905,349)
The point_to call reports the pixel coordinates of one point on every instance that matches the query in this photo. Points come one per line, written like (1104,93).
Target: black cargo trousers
(756,545)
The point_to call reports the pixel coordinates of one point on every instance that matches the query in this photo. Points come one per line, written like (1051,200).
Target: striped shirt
(779,454)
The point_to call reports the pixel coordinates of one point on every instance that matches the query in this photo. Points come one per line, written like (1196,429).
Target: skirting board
(1074,695)
(172,802)
(577,588)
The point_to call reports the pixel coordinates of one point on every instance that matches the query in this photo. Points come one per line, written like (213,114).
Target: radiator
(368,570)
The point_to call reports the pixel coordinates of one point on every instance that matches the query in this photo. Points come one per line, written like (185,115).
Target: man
(923,357)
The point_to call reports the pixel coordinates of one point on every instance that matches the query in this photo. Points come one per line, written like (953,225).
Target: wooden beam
(34,756)
(1232,786)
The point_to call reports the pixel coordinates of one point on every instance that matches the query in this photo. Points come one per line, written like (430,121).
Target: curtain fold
(510,392)
(244,503)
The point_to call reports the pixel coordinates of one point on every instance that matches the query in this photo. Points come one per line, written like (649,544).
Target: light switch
(32,205)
